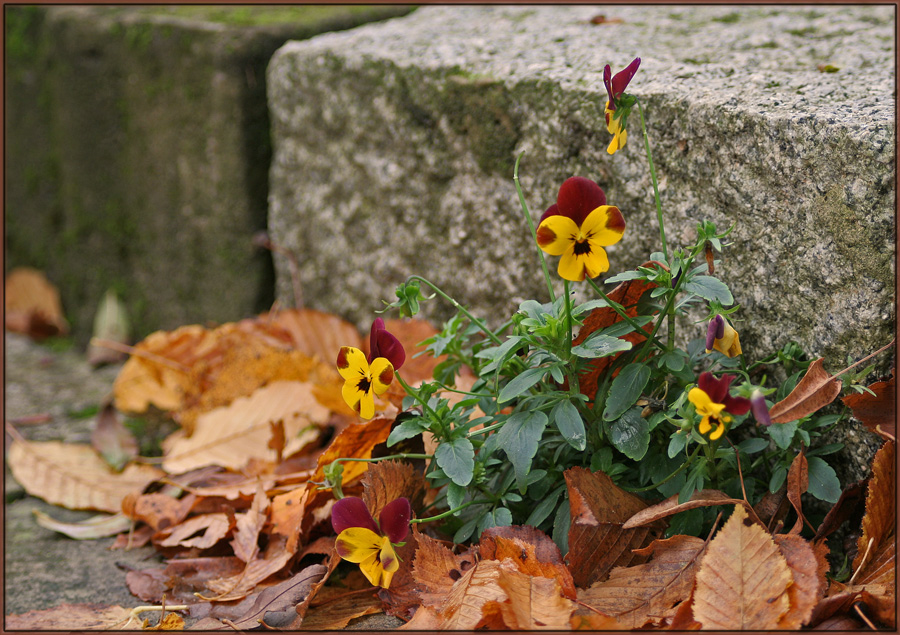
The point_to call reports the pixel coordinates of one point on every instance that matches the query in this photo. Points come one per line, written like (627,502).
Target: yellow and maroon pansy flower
(362,381)
(578,227)
(384,344)
(721,336)
(617,108)
(714,405)
(369,544)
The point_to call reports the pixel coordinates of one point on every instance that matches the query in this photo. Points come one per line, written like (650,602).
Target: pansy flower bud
(617,107)
(721,336)
(759,408)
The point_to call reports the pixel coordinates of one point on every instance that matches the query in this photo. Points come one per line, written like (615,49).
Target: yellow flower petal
(730,343)
(719,431)
(556,233)
(388,557)
(351,363)
(705,406)
(366,407)
(356,544)
(704,426)
(382,375)
(604,226)
(373,570)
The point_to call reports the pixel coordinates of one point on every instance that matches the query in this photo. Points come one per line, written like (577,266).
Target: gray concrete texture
(138,153)
(394,146)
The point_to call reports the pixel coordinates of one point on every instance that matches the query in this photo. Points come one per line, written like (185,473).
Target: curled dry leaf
(112,439)
(803,593)
(231,436)
(32,305)
(878,524)
(743,579)
(200,532)
(464,606)
(159,511)
(670,506)
(287,514)
(88,529)
(597,540)
(249,525)
(72,475)
(533,552)
(534,602)
(816,389)
(436,569)
(797,484)
(877,412)
(643,593)
(386,481)
(357,441)
(275,605)
(110,325)
(337,611)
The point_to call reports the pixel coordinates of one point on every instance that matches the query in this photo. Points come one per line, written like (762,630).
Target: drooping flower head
(759,408)
(366,377)
(371,545)
(618,106)
(721,336)
(578,227)
(715,405)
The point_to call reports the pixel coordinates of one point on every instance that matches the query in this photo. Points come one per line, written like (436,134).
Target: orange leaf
(816,389)
(315,333)
(464,606)
(32,305)
(287,514)
(532,551)
(535,602)
(355,441)
(386,481)
(211,528)
(797,484)
(803,593)
(597,541)
(743,579)
(877,412)
(879,522)
(337,612)
(436,569)
(159,511)
(670,506)
(249,526)
(639,594)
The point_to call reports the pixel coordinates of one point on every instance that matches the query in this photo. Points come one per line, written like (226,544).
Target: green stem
(489,428)
(528,218)
(659,214)
(684,465)
(620,310)
(481,325)
(450,511)
(415,394)
(392,456)
(568,319)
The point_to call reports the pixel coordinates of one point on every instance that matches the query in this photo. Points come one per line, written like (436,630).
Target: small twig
(865,619)
(862,562)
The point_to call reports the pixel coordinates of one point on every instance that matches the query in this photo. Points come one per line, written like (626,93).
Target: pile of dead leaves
(235,507)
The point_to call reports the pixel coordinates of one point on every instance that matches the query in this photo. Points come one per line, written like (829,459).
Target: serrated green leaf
(710,288)
(570,424)
(599,345)
(626,389)
(630,434)
(519,437)
(677,443)
(455,496)
(782,433)
(407,429)
(457,459)
(521,383)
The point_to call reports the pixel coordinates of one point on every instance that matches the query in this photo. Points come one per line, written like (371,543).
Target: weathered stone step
(394,147)
(138,152)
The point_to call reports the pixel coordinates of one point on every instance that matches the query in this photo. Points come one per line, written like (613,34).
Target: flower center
(582,247)
(364,384)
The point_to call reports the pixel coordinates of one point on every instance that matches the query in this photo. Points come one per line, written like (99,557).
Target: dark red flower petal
(736,405)
(717,389)
(621,79)
(553,210)
(383,344)
(578,197)
(607,74)
(714,331)
(760,410)
(351,512)
(394,519)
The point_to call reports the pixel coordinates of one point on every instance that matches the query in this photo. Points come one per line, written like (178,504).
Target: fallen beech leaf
(636,595)
(241,585)
(303,607)
(110,325)
(159,511)
(69,617)
(134,539)
(180,578)
(232,435)
(683,619)
(803,593)
(463,608)
(816,389)
(339,610)
(170,622)
(743,579)
(597,541)
(797,484)
(670,506)
(843,623)
(535,602)
(436,569)
(211,528)
(627,294)
(386,481)
(88,529)
(773,506)
(356,441)
(287,514)
(249,526)
(72,475)
(587,621)
(879,521)
(315,333)
(275,605)
(877,412)
(425,619)
(112,439)
(533,552)
(32,305)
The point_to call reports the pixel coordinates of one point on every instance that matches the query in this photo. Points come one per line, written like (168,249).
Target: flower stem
(528,218)
(568,318)
(481,325)
(415,394)
(659,215)
(449,512)
(618,308)
(392,456)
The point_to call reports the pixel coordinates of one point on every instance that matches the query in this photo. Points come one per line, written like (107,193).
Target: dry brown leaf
(535,602)
(879,522)
(637,595)
(159,511)
(436,569)
(670,506)
(597,541)
(426,619)
(231,436)
(743,579)
(849,505)
(463,608)
(386,481)
(683,619)
(239,586)
(211,529)
(773,506)
(587,621)
(170,622)
(249,525)
(803,593)
(339,609)
(356,441)
(32,305)
(797,484)
(287,514)
(112,439)
(72,475)
(73,617)
(877,412)
(88,529)
(275,605)
(815,390)
(533,552)
(315,333)
(111,332)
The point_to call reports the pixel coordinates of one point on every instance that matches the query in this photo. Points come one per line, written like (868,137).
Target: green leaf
(630,434)
(599,345)
(521,383)
(778,477)
(499,517)
(783,433)
(455,496)
(677,443)
(544,508)
(561,523)
(570,424)
(457,459)
(823,482)
(752,446)
(465,532)
(626,389)
(626,275)
(519,437)
(407,429)
(711,289)
(673,360)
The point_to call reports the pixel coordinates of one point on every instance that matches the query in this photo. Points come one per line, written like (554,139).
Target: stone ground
(44,569)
